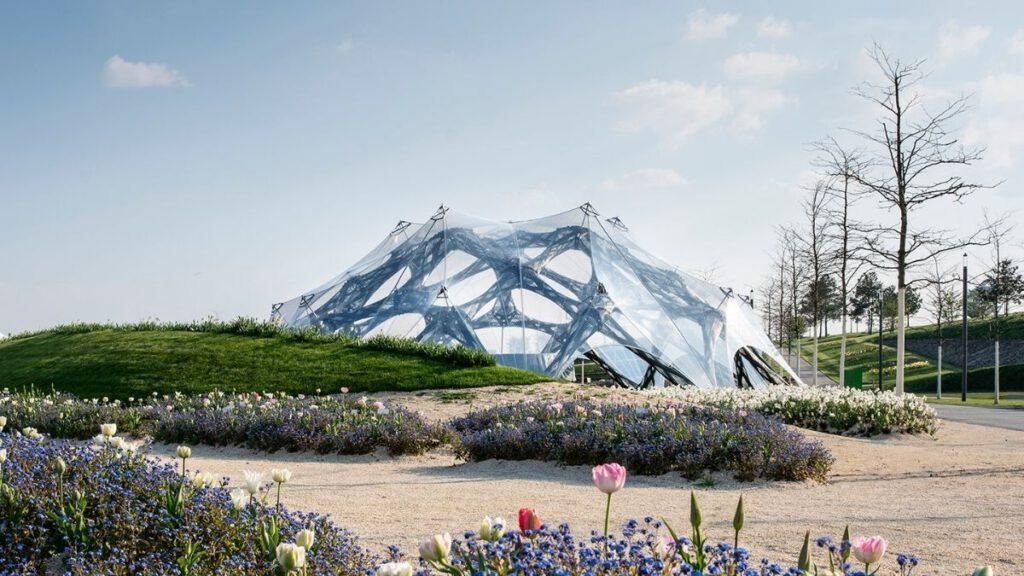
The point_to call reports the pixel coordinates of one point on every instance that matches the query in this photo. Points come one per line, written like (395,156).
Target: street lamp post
(963,364)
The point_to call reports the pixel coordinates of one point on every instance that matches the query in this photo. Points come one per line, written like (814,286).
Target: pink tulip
(609,478)
(868,550)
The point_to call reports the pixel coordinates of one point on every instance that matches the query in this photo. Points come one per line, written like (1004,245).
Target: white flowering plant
(844,411)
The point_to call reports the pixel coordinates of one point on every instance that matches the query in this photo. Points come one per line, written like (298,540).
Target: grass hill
(119,361)
(921,371)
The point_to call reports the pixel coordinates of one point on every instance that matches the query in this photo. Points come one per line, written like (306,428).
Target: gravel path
(955,500)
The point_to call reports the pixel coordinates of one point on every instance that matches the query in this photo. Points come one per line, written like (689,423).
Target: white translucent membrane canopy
(539,294)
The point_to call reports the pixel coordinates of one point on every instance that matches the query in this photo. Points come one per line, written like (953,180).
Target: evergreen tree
(864,302)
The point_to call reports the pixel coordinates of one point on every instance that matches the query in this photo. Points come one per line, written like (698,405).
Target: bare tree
(797,275)
(914,157)
(817,252)
(842,166)
(780,269)
(1002,284)
(944,305)
(769,293)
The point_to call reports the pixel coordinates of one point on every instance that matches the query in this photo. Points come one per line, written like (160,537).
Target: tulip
(665,547)
(868,550)
(108,430)
(609,478)
(281,475)
(305,538)
(436,548)
(528,519)
(290,556)
(982,571)
(203,479)
(3,423)
(239,498)
(3,455)
(60,466)
(183,452)
(344,389)
(253,481)
(492,529)
(395,569)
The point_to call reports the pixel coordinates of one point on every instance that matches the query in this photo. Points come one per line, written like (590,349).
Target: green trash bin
(854,378)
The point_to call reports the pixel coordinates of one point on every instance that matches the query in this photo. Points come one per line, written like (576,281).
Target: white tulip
(436,548)
(395,569)
(305,538)
(183,452)
(3,422)
(290,556)
(204,479)
(239,498)
(253,481)
(492,529)
(281,475)
(108,430)
(3,455)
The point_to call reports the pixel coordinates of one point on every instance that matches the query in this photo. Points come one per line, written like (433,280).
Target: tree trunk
(997,371)
(842,354)
(901,334)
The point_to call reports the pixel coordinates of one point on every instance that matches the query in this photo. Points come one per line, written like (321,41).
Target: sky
(175,161)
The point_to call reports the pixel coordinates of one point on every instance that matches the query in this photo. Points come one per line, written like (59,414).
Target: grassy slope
(120,364)
(1012,329)
(921,372)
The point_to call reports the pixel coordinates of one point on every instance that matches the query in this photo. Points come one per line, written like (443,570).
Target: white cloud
(772,27)
(703,25)
(675,109)
(646,179)
(346,46)
(1017,42)
(957,40)
(767,66)
(120,73)
(753,105)
(999,126)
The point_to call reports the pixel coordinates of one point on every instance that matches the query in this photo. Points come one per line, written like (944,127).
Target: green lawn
(982,399)
(1012,328)
(120,363)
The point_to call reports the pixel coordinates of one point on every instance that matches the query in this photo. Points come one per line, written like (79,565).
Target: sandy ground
(957,499)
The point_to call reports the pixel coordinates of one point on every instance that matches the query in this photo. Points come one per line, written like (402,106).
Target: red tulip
(528,519)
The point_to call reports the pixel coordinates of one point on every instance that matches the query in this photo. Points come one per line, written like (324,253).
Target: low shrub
(830,409)
(647,440)
(106,509)
(269,422)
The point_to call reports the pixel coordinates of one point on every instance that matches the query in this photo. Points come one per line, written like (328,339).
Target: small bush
(268,422)
(827,409)
(646,440)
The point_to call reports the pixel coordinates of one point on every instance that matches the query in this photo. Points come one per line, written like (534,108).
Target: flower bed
(105,509)
(339,425)
(827,409)
(692,440)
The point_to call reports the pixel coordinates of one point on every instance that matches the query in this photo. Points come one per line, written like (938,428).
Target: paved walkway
(806,372)
(995,417)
